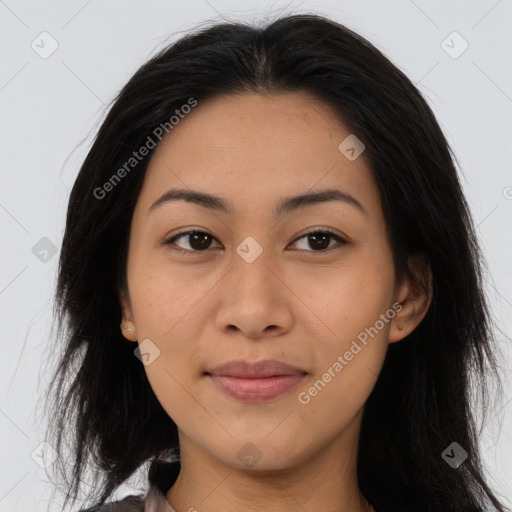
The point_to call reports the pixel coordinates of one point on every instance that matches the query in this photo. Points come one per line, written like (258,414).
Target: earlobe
(129,332)
(127,324)
(415,297)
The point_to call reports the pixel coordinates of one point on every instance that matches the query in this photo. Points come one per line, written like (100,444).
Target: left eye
(199,240)
(319,238)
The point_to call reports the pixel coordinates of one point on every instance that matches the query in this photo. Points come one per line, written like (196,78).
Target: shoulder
(131,503)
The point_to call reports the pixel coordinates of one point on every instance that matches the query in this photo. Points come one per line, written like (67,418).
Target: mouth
(255,381)
(260,389)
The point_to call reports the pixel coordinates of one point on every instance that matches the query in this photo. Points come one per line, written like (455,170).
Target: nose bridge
(251,266)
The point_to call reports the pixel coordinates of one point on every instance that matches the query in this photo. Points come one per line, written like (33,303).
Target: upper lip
(266,368)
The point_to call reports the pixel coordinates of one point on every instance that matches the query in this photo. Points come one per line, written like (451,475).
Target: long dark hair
(421,401)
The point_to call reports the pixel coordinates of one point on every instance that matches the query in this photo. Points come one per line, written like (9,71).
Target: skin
(212,306)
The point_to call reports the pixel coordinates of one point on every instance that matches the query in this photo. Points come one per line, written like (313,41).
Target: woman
(273,217)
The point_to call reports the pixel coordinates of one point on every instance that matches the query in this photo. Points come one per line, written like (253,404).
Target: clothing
(161,477)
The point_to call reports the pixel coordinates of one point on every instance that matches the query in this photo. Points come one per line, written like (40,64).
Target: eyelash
(315,231)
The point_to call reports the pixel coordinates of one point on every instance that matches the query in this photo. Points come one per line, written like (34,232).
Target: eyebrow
(283,207)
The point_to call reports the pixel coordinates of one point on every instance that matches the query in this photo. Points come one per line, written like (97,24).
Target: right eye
(198,241)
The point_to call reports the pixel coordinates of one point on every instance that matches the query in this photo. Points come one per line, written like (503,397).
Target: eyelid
(342,240)
(319,229)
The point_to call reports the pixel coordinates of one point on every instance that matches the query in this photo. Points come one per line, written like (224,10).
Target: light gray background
(49,105)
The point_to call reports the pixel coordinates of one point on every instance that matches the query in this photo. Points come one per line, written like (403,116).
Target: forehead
(255,149)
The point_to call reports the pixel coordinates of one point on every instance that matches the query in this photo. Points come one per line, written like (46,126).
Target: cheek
(166,305)
(163,297)
(168,378)
(354,316)
(345,299)
(349,356)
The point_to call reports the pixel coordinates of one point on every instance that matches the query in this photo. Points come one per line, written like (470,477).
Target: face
(253,285)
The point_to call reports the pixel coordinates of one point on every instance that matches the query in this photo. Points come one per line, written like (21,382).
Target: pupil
(324,236)
(196,237)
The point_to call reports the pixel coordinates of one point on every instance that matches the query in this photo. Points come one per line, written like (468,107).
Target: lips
(246,369)
(255,382)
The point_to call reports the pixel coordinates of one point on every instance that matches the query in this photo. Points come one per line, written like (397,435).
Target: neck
(325,481)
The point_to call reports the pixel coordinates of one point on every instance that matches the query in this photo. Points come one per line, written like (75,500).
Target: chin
(262,454)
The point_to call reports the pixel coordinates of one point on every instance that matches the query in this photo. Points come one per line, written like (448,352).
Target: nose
(255,301)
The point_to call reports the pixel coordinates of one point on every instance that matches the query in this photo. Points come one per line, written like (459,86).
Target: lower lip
(256,390)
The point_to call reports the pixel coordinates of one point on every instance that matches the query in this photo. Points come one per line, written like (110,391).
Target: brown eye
(198,240)
(319,240)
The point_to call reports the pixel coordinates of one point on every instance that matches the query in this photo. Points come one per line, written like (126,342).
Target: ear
(415,296)
(127,322)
